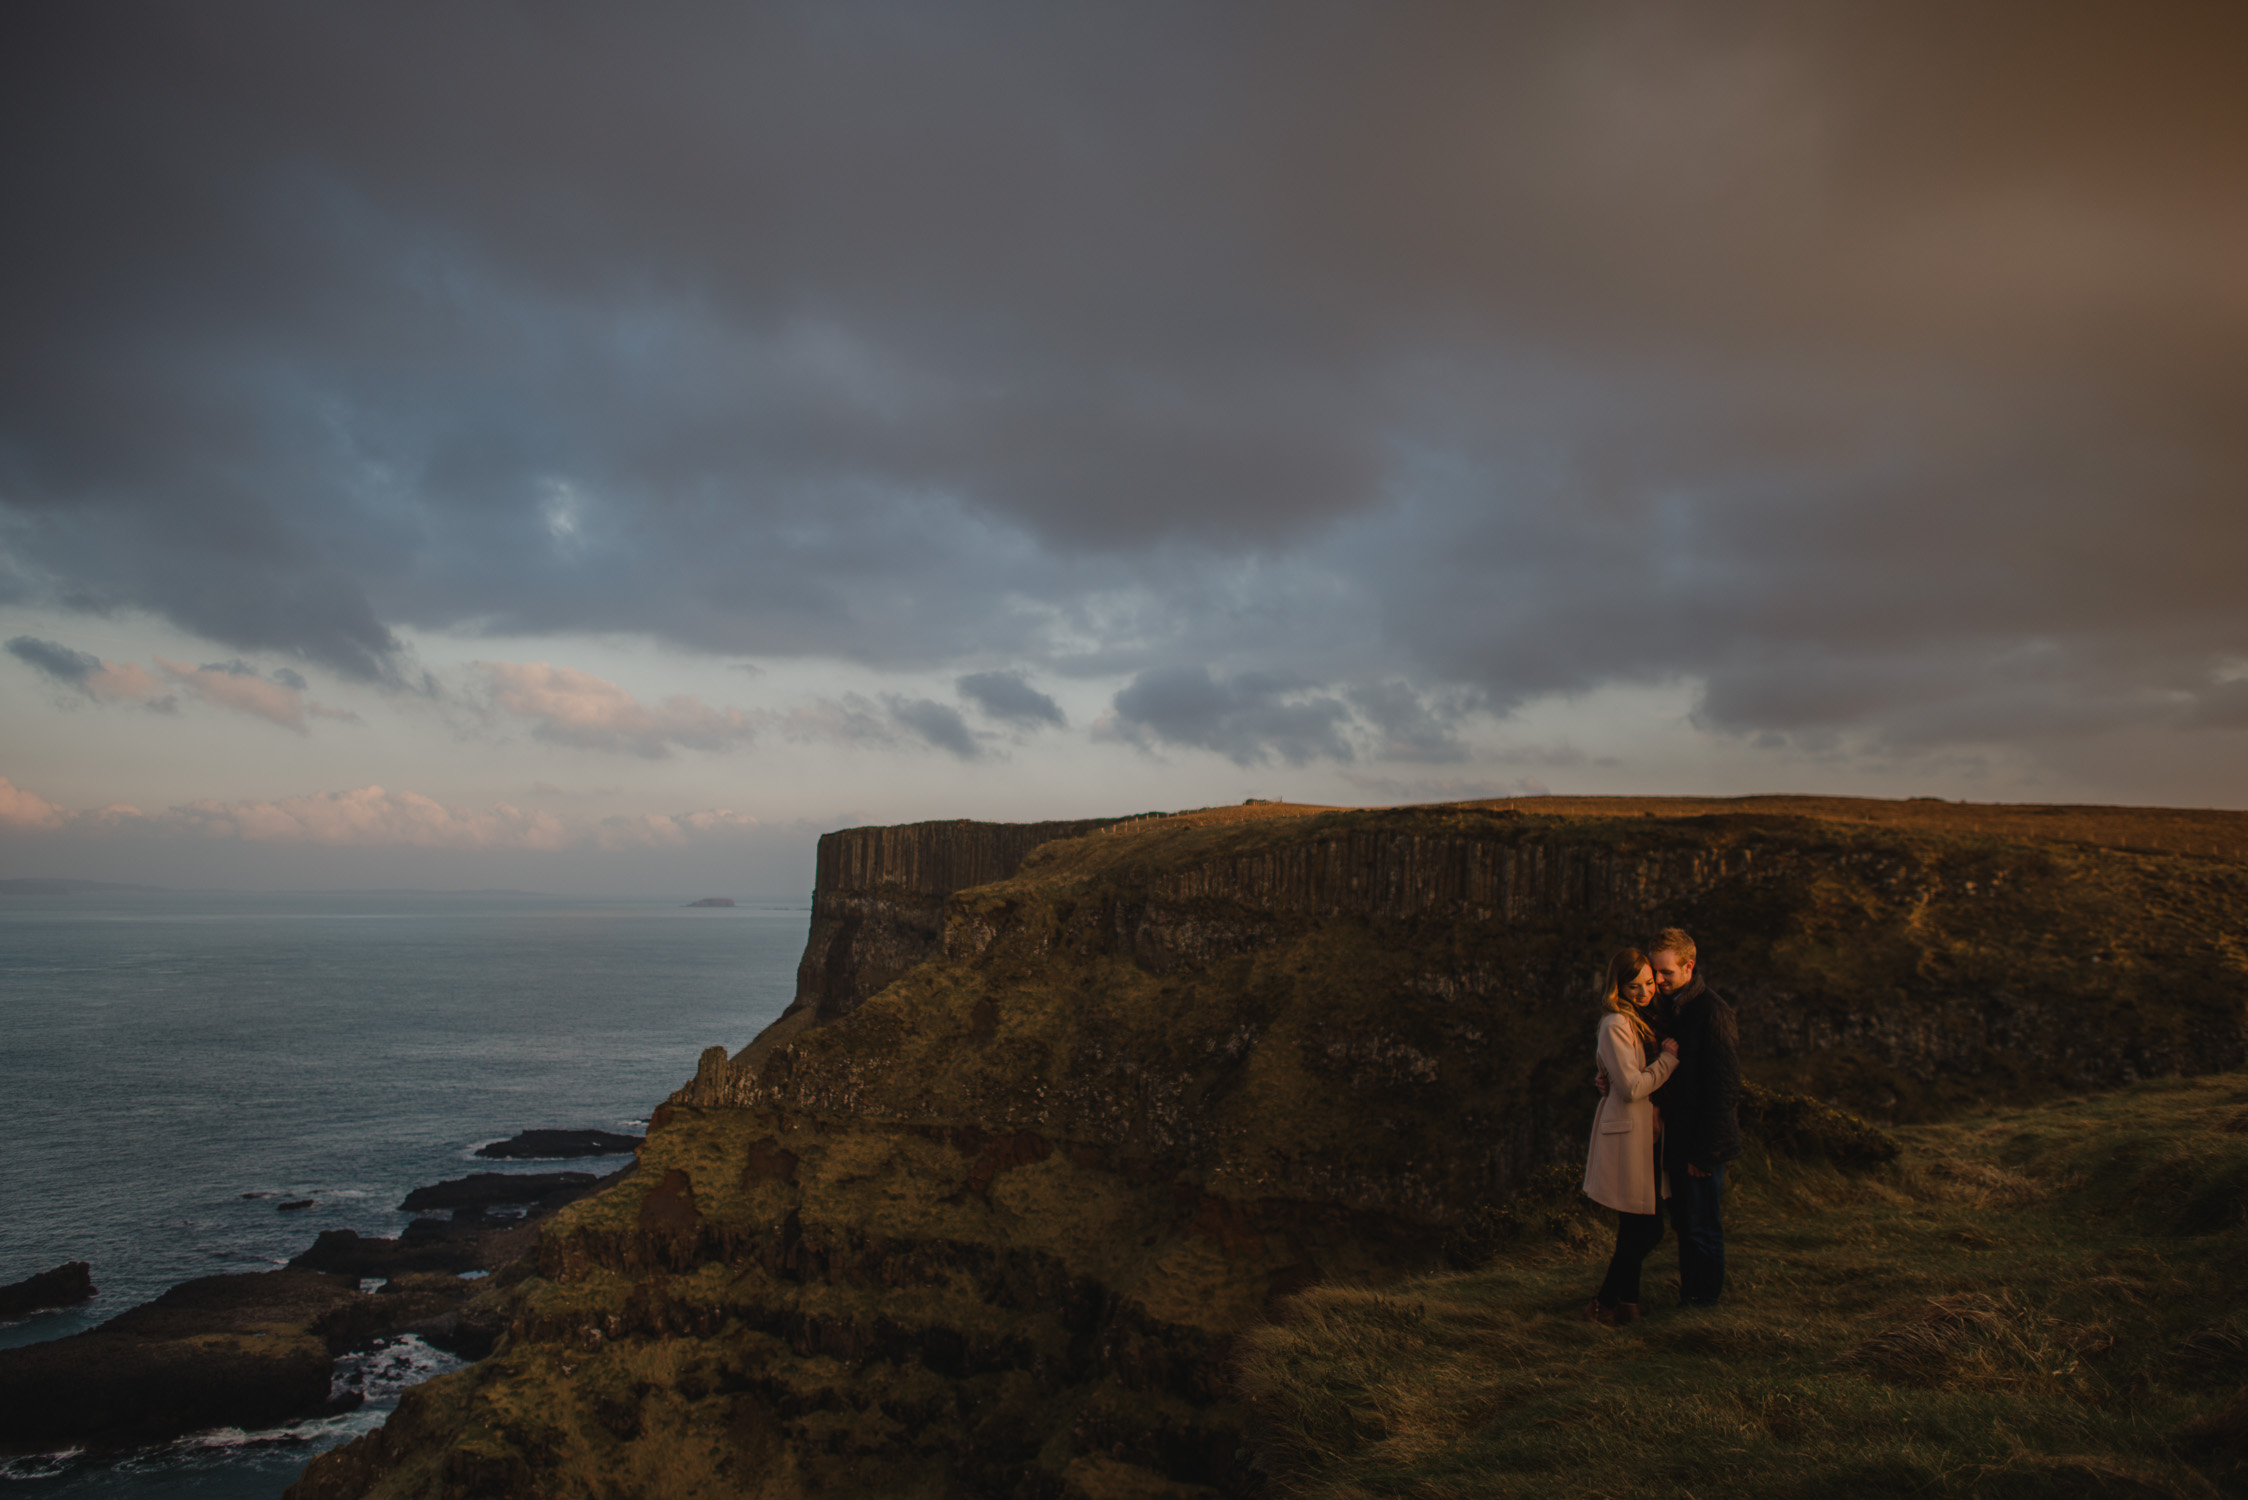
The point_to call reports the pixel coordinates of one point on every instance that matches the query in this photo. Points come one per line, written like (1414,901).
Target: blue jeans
(1701,1235)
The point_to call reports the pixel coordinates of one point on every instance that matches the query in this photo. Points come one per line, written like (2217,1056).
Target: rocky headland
(257,1349)
(249,1350)
(1060,1110)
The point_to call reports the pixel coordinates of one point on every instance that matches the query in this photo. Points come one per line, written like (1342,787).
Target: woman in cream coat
(1620,1166)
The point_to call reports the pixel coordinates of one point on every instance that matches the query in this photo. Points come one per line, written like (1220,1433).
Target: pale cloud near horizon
(27,812)
(669,831)
(235,686)
(373,817)
(369,816)
(573,707)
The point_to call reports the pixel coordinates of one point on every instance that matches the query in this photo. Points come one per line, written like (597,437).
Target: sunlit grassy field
(2046,1301)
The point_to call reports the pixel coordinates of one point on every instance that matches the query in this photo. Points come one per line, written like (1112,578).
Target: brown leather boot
(1595,1313)
(1626,1313)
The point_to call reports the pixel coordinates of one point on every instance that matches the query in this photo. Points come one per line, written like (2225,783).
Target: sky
(597,448)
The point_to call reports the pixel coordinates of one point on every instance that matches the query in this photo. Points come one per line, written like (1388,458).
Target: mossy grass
(2044,1301)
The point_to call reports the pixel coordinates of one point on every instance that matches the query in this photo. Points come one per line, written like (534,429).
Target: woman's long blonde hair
(1624,967)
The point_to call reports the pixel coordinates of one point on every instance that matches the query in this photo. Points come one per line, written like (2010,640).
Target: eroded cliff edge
(989,1229)
(878,897)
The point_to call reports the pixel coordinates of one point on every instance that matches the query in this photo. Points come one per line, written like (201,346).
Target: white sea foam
(378,1374)
(38,1465)
(382,1371)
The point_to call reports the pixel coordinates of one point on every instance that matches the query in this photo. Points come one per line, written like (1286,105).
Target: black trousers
(1636,1234)
(1701,1234)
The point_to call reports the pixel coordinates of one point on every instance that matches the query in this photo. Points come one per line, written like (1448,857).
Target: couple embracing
(1670,1086)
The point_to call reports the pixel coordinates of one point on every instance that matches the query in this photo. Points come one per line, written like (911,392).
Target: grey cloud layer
(1009,698)
(1324,372)
(72,668)
(277,697)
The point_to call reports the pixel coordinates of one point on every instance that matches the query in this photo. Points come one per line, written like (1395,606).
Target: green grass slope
(2040,1302)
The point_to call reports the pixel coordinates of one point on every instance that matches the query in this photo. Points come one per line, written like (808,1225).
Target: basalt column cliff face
(878,899)
(990,1230)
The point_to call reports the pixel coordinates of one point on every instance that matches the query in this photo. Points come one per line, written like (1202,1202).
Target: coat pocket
(1617,1124)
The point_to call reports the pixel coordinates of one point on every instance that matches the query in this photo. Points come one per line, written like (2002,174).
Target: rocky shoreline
(259,1349)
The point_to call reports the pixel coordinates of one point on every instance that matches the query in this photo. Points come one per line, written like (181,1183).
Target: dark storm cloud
(1409,726)
(1248,718)
(1007,697)
(1879,365)
(937,723)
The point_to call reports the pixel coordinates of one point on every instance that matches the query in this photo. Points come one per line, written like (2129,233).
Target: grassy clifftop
(996,1228)
(2037,1302)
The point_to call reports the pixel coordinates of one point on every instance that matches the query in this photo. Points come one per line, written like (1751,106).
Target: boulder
(481,1189)
(66,1285)
(552,1145)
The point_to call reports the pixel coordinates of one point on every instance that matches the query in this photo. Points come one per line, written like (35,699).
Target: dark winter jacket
(1701,1102)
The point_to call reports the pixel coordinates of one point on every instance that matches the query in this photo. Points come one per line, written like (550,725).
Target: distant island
(40,887)
(713,901)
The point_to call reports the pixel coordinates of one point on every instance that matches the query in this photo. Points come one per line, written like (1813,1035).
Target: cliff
(982,1214)
(878,897)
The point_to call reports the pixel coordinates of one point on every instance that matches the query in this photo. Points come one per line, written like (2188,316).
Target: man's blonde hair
(1672,940)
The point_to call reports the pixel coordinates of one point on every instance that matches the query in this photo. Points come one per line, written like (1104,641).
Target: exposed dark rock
(245,1350)
(480,1189)
(348,1252)
(256,1349)
(557,1145)
(66,1285)
(249,1350)
(294,1205)
(442,1308)
(467,1241)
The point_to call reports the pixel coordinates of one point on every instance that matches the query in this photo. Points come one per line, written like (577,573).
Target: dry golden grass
(2004,1311)
(2217,833)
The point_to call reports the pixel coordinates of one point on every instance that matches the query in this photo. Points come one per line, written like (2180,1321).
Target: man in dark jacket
(1700,1107)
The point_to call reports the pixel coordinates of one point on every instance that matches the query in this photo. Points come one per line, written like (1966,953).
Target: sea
(174,1066)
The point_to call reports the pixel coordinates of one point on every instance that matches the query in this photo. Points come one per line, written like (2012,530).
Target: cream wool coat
(1620,1165)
